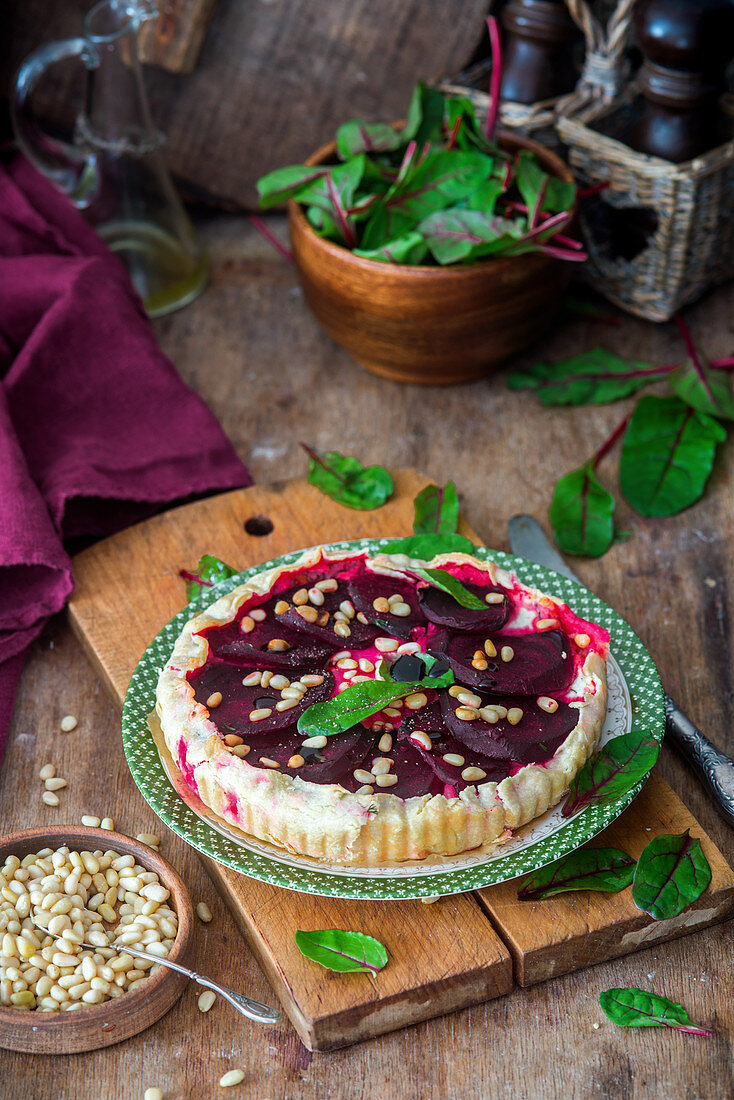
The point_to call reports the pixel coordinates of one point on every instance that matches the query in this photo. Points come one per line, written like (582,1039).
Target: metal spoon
(254,1010)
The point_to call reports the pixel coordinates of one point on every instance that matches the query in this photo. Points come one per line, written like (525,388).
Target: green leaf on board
(359,701)
(347,481)
(439,578)
(616,768)
(667,455)
(595,377)
(582,513)
(704,389)
(343,951)
(436,510)
(671,873)
(425,547)
(209,571)
(637,1008)
(607,869)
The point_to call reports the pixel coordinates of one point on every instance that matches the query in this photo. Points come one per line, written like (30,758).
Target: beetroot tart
(518,706)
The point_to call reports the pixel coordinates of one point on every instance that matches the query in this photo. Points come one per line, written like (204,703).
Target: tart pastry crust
(324,820)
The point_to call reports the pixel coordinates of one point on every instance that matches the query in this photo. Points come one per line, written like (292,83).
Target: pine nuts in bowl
(103,888)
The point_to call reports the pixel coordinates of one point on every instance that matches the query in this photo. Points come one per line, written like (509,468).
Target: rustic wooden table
(253,352)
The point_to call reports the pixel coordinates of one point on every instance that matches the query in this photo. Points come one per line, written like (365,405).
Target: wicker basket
(690,245)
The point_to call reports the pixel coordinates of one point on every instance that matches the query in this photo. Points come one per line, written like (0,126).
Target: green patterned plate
(635,696)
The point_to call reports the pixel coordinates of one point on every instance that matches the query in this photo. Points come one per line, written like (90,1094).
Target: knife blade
(714,768)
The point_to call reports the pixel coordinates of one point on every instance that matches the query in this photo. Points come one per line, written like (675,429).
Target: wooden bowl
(431,325)
(112,1021)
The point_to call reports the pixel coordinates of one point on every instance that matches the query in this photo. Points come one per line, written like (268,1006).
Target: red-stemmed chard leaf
(426,547)
(671,873)
(638,1008)
(408,249)
(457,234)
(696,384)
(613,771)
(209,571)
(607,869)
(347,481)
(595,377)
(436,510)
(355,136)
(495,80)
(667,455)
(287,183)
(343,951)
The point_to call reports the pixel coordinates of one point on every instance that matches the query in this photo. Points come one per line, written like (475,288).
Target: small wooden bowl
(431,325)
(112,1021)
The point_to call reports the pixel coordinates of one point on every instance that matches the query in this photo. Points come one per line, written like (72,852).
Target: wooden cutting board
(459,951)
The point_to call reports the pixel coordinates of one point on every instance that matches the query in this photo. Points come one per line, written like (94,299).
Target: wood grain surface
(249,346)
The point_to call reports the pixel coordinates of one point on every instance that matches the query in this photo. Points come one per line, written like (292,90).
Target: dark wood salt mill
(687,45)
(539,36)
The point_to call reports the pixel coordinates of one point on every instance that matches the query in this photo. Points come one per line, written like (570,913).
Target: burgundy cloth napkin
(97,430)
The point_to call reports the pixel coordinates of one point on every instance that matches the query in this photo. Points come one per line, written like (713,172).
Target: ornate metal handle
(715,768)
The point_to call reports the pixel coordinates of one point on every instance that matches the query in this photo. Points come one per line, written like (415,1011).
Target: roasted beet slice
(366,588)
(542,663)
(442,609)
(415,776)
(238,700)
(228,643)
(320,622)
(535,737)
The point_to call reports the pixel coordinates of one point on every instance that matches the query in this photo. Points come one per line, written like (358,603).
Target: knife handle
(715,768)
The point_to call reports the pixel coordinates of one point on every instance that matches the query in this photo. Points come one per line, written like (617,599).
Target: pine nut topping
(467,714)
(328,585)
(507,653)
(312,679)
(472,774)
(268,763)
(402,610)
(247,624)
(68,723)
(214,699)
(363,776)
(547,624)
(279,682)
(514,715)
(550,706)
(582,640)
(346,662)
(258,614)
(422,738)
(300,597)
(50,798)
(490,648)
(391,712)
(489,714)
(296,761)
(317,742)
(386,645)
(316,596)
(281,607)
(416,700)
(232,739)
(454,758)
(240,751)
(347,608)
(365,789)
(90,821)
(468,698)
(48,771)
(278,645)
(366,665)
(456,689)
(265,678)
(381,605)
(252,679)
(342,629)
(386,780)
(287,704)
(479,661)
(260,713)
(381,766)
(203,912)
(206,1000)
(385,742)
(231,1077)
(494,597)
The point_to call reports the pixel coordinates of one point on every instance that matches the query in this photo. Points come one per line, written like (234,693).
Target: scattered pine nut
(68,723)
(108,824)
(431,899)
(91,821)
(149,838)
(48,771)
(231,1077)
(206,1000)
(55,784)
(50,798)
(153,1094)
(203,912)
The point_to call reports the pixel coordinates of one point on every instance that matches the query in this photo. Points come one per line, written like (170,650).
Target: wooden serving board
(459,951)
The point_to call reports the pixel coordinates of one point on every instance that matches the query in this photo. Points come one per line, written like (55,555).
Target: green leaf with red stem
(696,384)
(582,513)
(667,455)
(446,582)
(459,234)
(347,481)
(671,873)
(355,136)
(342,950)
(287,183)
(436,510)
(637,1008)
(608,869)
(209,571)
(408,249)
(596,377)
(614,770)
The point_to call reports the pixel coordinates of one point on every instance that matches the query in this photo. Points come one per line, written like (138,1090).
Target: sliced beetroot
(542,663)
(365,588)
(337,760)
(535,737)
(415,776)
(228,643)
(442,609)
(238,701)
(360,634)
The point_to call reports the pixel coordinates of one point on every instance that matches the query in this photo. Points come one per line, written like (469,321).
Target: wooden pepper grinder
(539,40)
(687,45)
